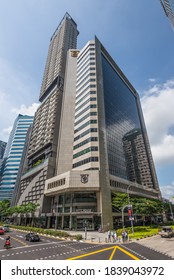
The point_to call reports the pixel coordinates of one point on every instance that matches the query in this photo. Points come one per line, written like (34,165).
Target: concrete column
(48,222)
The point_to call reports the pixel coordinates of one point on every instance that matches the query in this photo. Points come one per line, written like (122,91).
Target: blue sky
(137,35)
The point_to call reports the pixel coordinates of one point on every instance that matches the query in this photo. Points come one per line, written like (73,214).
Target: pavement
(92,236)
(163,245)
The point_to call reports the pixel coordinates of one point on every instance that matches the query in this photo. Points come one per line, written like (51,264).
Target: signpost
(130,215)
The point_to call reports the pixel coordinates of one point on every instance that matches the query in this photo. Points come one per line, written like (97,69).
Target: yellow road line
(91,253)
(128,253)
(113,248)
(113,252)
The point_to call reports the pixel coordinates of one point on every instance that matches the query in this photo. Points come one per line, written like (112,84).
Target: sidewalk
(92,236)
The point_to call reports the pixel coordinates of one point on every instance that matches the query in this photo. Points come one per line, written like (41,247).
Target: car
(31,236)
(1,230)
(166,231)
(6,228)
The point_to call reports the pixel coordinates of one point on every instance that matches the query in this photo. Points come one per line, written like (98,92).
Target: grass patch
(140,232)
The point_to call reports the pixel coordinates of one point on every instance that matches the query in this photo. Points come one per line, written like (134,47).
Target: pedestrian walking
(123,236)
(126,236)
(109,236)
(112,236)
(115,236)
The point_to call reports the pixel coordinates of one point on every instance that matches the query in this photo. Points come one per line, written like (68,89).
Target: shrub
(78,237)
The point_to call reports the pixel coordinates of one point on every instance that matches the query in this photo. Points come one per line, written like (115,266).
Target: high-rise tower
(168,6)
(44,137)
(44,141)
(13,155)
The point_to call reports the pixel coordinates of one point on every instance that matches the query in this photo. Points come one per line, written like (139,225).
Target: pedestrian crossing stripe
(113,248)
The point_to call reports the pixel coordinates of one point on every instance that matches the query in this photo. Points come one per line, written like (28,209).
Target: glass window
(121,117)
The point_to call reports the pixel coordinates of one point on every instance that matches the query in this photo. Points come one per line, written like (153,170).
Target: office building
(13,154)
(22,168)
(168,6)
(99,124)
(106,150)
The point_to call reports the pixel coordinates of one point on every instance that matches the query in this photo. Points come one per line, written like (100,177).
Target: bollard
(99,240)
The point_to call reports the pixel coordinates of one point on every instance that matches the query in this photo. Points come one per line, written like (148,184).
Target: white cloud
(158,106)
(168,191)
(5,133)
(24,110)
(16,88)
(152,80)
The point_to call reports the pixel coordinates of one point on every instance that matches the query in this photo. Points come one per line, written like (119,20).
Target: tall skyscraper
(45,133)
(168,6)
(13,154)
(88,140)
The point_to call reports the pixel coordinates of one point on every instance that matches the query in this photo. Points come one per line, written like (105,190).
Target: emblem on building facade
(84,178)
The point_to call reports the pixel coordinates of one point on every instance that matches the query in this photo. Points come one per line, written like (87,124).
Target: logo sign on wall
(84,178)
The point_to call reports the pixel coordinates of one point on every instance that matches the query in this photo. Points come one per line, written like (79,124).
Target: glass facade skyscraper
(13,154)
(168,6)
(121,116)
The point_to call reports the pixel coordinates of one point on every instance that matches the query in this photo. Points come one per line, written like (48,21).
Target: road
(50,248)
(164,245)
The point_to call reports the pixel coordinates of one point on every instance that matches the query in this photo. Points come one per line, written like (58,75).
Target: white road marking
(35,245)
(20,236)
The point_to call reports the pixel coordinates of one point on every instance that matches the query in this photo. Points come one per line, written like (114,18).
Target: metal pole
(123,218)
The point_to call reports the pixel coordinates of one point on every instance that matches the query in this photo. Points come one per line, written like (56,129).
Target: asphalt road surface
(50,248)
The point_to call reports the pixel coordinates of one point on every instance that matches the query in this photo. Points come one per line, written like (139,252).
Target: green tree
(31,208)
(119,200)
(4,208)
(142,206)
